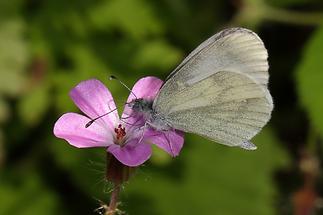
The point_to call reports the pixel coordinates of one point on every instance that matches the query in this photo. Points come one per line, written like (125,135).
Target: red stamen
(120,132)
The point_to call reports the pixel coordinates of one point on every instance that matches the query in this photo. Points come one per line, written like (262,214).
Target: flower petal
(132,154)
(94,99)
(170,141)
(71,127)
(146,88)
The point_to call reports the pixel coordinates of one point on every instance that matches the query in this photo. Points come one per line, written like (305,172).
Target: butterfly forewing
(227,107)
(233,49)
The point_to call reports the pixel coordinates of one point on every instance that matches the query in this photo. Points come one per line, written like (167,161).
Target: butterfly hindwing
(227,107)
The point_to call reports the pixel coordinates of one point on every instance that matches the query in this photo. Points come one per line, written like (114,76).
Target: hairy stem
(113,200)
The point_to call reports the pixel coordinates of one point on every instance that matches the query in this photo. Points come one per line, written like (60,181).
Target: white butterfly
(219,91)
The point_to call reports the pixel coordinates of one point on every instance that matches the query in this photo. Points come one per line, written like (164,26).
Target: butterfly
(219,91)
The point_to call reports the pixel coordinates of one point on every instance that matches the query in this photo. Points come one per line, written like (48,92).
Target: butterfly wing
(227,107)
(233,49)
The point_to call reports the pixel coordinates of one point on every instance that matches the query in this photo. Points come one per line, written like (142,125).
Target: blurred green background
(47,47)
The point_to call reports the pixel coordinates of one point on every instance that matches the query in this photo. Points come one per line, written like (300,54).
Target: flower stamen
(120,132)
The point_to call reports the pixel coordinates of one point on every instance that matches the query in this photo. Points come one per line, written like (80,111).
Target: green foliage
(47,47)
(1,150)
(286,3)
(134,18)
(13,57)
(160,157)
(85,166)
(212,179)
(4,110)
(27,197)
(34,104)
(309,79)
(156,54)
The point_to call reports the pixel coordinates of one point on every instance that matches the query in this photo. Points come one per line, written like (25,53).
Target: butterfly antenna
(93,120)
(112,77)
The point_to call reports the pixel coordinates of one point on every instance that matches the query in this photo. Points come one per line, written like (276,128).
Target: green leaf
(85,166)
(13,57)
(211,179)
(34,104)
(157,54)
(4,110)
(10,9)
(64,82)
(160,157)
(2,152)
(27,197)
(134,18)
(86,63)
(86,66)
(288,3)
(309,78)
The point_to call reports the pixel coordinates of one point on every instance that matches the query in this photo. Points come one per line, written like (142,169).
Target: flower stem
(117,174)
(293,17)
(114,200)
(253,12)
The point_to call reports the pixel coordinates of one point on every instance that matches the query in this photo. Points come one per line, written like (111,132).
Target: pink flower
(127,140)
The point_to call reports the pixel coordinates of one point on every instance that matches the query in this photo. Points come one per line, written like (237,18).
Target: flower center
(120,133)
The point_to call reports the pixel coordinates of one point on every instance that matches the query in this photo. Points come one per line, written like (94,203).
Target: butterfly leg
(131,116)
(133,124)
(143,131)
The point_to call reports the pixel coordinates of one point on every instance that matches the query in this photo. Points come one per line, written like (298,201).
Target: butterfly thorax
(142,106)
(152,118)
